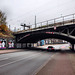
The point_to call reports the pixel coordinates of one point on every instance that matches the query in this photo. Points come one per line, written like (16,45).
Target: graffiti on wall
(11,44)
(2,43)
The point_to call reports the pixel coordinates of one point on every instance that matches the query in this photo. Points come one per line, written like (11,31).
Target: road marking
(13,57)
(37,70)
(4,59)
(19,60)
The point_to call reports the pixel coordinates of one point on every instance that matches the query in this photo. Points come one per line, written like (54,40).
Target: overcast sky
(24,11)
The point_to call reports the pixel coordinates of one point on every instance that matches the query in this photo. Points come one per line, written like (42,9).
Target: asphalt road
(23,63)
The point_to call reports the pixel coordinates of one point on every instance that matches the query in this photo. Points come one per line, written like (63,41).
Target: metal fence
(60,21)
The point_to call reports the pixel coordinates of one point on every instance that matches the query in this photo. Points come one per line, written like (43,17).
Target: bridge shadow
(55,51)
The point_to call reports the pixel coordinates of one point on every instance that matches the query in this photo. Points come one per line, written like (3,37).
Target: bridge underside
(33,38)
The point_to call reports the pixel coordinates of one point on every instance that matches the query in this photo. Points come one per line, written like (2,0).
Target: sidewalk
(9,51)
(60,64)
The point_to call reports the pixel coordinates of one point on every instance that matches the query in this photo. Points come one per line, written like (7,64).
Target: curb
(36,72)
(9,52)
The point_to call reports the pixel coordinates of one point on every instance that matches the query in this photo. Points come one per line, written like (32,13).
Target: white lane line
(19,60)
(13,57)
(37,70)
(3,59)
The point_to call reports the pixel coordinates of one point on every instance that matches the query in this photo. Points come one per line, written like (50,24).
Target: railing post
(73,18)
(35,23)
(63,20)
(47,23)
(41,25)
(54,21)
(31,28)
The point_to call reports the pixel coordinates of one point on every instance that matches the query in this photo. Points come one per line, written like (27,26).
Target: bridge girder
(68,30)
(33,38)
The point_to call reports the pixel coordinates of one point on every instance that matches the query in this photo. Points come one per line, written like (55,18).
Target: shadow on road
(56,50)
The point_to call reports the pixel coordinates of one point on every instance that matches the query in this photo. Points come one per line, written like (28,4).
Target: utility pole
(24,26)
(14,29)
(9,27)
(61,15)
(35,22)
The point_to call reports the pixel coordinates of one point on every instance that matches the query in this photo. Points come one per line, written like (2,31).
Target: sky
(23,11)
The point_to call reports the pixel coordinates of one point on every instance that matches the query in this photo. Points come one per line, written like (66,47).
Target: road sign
(49,32)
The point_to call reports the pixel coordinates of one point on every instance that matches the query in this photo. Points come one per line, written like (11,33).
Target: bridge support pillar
(72,47)
(26,45)
(33,44)
(30,45)
(21,45)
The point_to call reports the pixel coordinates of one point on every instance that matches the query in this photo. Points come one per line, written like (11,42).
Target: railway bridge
(61,28)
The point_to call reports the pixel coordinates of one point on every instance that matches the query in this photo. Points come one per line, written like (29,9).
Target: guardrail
(60,21)
(63,20)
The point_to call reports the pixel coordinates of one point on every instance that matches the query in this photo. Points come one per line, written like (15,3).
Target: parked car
(50,48)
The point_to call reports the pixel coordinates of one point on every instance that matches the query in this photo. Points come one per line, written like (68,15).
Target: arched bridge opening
(35,37)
